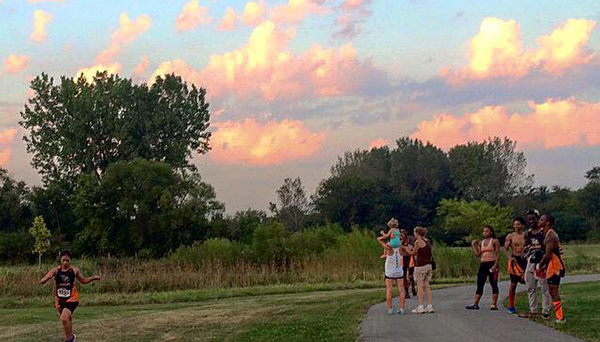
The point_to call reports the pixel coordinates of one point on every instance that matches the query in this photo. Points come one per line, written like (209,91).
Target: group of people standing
(407,259)
(534,257)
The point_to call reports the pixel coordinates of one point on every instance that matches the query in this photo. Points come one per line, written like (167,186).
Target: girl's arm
(496,245)
(475,247)
(48,276)
(415,249)
(84,280)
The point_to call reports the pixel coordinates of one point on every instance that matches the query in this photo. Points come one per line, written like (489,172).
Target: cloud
(6,139)
(40,1)
(89,73)
(253,13)
(127,32)
(141,68)
(229,20)
(549,125)
(296,10)
(14,64)
(354,12)
(269,143)
(378,143)
(40,20)
(497,51)
(191,16)
(264,66)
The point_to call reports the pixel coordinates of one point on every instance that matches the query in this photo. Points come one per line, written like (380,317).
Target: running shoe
(390,312)
(494,307)
(511,311)
(71,339)
(419,310)
(560,321)
(472,307)
(545,316)
(429,309)
(400,311)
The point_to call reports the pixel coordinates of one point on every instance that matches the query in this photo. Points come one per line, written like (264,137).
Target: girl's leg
(389,286)
(495,290)
(420,288)
(65,319)
(401,293)
(428,290)
(481,278)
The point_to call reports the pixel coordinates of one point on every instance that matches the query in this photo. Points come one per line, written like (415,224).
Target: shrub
(212,250)
(15,246)
(271,243)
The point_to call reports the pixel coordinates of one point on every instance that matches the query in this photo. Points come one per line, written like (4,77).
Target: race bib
(64,293)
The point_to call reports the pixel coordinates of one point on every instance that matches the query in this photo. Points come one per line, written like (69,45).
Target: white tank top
(393,264)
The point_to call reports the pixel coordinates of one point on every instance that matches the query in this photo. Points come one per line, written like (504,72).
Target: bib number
(64,293)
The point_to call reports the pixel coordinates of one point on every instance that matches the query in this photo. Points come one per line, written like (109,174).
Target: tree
(491,170)
(81,127)
(41,235)
(142,205)
(293,204)
(593,175)
(465,220)
(15,208)
(420,174)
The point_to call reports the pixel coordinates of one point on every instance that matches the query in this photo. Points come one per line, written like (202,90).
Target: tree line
(115,160)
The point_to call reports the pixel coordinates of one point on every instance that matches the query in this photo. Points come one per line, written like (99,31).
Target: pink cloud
(89,73)
(353,14)
(229,20)
(40,20)
(141,68)
(249,142)
(127,32)
(253,13)
(264,66)
(14,64)
(40,1)
(497,51)
(378,143)
(296,10)
(552,124)
(191,16)
(6,139)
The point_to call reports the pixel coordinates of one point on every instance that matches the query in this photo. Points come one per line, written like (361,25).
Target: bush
(314,241)
(271,243)
(212,250)
(571,226)
(16,246)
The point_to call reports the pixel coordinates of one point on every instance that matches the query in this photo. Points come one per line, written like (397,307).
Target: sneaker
(472,307)
(545,316)
(390,311)
(494,307)
(400,311)
(527,314)
(71,339)
(560,321)
(511,311)
(429,309)
(407,295)
(419,310)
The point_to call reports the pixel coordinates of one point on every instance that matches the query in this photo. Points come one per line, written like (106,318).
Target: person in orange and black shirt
(552,265)
(66,295)
(515,243)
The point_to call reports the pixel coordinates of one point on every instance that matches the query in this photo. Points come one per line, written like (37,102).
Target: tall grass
(353,258)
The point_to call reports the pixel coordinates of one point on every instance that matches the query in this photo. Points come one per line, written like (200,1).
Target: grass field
(315,316)
(581,304)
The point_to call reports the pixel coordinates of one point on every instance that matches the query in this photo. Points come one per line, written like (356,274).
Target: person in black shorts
(552,265)
(66,294)
(514,248)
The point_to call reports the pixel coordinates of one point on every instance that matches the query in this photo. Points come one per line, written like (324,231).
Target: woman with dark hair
(489,253)
(66,295)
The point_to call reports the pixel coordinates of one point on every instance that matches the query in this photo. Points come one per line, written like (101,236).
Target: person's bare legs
(420,290)
(65,319)
(428,290)
(401,294)
(389,286)
(476,299)
(495,299)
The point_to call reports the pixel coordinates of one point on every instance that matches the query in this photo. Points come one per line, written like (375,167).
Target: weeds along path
(451,322)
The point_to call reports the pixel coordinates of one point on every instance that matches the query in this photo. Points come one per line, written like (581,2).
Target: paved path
(452,322)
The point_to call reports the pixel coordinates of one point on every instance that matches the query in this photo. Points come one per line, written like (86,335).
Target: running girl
(489,252)
(394,274)
(393,235)
(515,243)
(66,295)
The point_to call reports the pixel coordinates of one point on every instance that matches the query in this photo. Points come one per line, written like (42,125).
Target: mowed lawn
(316,316)
(581,304)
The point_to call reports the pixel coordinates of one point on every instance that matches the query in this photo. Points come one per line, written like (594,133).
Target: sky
(293,84)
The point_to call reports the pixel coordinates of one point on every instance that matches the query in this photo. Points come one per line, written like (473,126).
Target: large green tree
(144,206)
(15,207)
(293,204)
(80,126)
(492,170)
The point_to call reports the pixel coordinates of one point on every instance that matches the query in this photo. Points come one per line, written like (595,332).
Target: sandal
(494,307)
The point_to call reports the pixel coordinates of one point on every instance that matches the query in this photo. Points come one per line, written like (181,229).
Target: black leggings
(482,276)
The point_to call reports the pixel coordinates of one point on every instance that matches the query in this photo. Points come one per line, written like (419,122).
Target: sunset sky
(293,84)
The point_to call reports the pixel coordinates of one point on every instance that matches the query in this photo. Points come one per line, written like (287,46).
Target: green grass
(581,303)
(315,316)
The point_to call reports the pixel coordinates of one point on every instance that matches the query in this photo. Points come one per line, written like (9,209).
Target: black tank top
(424,255)
(65,281)
(534,245)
